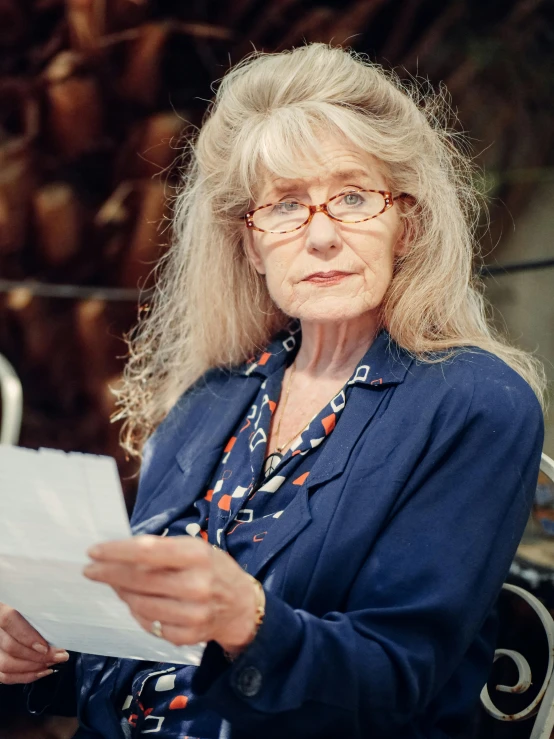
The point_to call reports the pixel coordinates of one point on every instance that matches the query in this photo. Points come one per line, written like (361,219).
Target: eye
(287,206)
(352,198)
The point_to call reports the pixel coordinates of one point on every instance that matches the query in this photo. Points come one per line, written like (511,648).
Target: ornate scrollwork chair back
(531,694)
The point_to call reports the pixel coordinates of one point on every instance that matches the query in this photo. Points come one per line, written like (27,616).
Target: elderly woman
(345,454)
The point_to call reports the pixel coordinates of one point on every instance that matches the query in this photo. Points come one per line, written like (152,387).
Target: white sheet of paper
(53,507)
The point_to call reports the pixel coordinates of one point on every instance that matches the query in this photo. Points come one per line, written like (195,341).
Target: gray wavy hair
(211,308)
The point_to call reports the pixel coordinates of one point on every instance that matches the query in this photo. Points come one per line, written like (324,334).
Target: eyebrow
(281,185)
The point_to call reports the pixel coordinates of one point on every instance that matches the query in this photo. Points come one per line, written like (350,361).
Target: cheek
(382,249)
(278,286)
(277,268)
(378,268)
(280,283)
(378,260)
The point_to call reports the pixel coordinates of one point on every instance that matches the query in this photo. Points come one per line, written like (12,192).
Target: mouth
(327,278)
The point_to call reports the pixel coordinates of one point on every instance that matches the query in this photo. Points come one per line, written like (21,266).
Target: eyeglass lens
(350,207)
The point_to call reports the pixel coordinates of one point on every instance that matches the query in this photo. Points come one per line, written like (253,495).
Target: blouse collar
(385,362)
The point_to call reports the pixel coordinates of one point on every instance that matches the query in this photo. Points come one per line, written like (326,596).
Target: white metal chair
(542,705)
(12,403)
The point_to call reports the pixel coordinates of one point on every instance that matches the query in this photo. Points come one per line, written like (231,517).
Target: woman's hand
(197,592)
(24,655)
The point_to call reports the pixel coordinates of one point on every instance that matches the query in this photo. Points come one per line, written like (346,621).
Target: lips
(332,275)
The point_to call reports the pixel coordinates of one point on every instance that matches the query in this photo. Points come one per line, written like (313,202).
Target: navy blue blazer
(383,573)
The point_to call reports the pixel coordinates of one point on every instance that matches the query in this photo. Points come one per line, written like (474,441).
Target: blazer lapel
(360,409)
(196,459)
(387,366)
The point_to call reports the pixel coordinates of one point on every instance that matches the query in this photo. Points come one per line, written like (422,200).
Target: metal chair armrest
(12,403)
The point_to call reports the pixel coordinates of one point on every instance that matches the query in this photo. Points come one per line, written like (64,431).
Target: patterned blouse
(243,499)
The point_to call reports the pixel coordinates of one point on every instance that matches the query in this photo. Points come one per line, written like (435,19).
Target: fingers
(175,552)
(166,610)
(179,627)
(24,655)
(21,631)
(19,678)
(13,665)
(14,648)
(122,575)
(182,623)
(194,585)
(177,635)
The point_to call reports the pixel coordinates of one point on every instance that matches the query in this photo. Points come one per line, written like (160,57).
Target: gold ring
(156,629)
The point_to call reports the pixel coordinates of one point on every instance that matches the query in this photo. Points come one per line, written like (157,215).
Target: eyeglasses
(353,206)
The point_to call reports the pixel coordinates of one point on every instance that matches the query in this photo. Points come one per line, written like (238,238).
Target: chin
(331,310)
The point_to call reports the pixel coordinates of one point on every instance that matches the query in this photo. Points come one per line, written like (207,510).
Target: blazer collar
(201,450)
(383,363)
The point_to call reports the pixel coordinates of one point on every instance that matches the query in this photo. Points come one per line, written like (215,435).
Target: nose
(321,232)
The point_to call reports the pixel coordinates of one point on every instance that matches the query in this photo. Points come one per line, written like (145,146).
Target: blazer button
(249,681)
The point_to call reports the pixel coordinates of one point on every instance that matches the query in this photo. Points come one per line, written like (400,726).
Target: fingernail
(61,656)
(45,672)
(94,551)
(40,648)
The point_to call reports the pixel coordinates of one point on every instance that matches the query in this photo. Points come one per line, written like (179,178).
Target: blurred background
(95,98)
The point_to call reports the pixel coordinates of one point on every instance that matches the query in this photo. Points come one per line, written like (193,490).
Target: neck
(334,349)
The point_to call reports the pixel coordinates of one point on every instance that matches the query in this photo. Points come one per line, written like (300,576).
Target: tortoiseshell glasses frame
(388,201)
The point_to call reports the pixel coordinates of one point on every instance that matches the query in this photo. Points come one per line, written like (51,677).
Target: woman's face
(364,252)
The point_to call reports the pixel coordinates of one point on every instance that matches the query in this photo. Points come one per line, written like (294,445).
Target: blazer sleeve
(420,598)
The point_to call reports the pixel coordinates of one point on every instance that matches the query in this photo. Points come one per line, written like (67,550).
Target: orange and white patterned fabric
(244,498)
(246,493)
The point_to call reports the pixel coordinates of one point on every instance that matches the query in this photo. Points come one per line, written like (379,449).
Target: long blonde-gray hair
(211,308)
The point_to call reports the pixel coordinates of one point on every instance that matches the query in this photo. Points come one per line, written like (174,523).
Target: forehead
(334,164)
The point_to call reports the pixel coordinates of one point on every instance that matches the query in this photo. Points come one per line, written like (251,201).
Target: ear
(402,242)
(407,230)
(253,253)
(401,246)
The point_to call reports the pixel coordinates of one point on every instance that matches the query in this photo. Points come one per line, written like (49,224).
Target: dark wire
(490,270)
(80,292)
